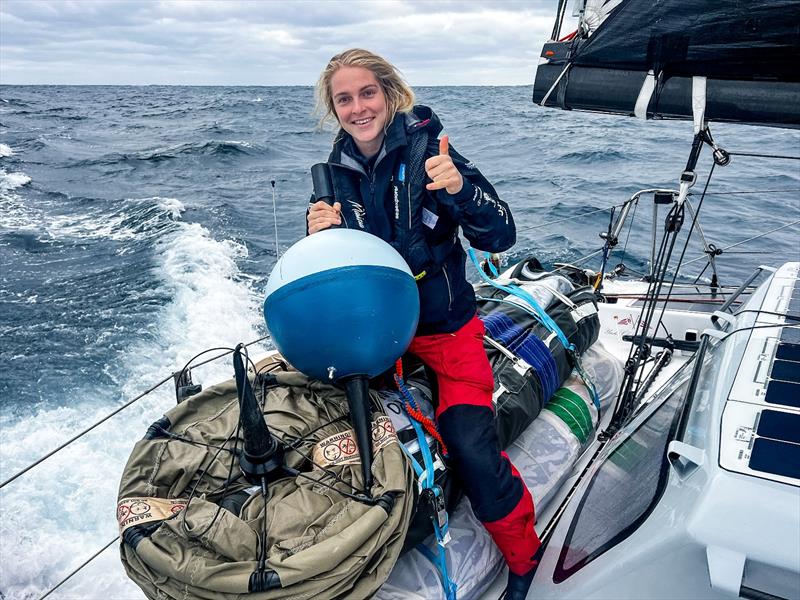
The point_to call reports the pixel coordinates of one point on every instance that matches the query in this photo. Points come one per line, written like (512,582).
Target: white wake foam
(11,181)
(63,511)
(138,218)
(5,150)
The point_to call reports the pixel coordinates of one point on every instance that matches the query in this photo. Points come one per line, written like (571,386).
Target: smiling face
(361,108)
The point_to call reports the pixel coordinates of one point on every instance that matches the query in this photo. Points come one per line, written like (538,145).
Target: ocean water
(136,230)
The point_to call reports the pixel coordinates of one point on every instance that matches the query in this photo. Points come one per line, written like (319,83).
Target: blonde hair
(399,96)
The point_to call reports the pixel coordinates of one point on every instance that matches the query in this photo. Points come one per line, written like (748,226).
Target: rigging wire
(796,222)
(86,562)
(756,155)
(120,409)
(710,249)
(575,263)
(767,312)
(572,218)
(752,327)
(748,192)
(695,221)
(84,432)
(635,363)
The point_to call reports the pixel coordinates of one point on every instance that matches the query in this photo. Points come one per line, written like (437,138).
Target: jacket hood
(423,117)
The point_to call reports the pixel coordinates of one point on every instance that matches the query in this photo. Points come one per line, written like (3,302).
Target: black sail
(748,51)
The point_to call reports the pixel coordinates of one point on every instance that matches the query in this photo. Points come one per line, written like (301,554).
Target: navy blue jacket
(377,196)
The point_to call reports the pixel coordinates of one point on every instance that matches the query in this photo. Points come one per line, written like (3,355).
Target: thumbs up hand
(442,170)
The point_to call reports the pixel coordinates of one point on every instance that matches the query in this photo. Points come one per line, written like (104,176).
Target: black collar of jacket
(403,125)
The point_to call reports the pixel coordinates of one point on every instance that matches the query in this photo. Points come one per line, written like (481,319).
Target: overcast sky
(267,42)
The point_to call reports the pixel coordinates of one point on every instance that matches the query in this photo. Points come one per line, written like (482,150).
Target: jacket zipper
(408,189)
(449,290)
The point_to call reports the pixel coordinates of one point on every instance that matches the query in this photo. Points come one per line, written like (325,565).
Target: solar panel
(779,426)
(786,370)
(783,393)
(791,335)
(760,433)
(788,351)
(772,456)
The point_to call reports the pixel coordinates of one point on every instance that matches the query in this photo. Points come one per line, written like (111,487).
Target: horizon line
(238,85)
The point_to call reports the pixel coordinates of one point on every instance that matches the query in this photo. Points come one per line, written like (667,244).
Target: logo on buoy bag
(341,302)
(341,449)
(135,511)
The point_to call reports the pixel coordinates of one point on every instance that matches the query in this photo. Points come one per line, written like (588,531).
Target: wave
(12,181)
(5,151)
(226,148)
(138,219)
(14,102)
(593,156)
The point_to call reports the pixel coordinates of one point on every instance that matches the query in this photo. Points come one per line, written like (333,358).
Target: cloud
(266,42)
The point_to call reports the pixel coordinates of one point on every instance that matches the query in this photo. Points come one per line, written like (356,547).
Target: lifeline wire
(591,212)
(118,410)
(745,241)
(86,562)
(764,155)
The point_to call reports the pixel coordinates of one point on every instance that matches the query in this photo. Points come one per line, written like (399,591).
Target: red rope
(427,424)
(568,37)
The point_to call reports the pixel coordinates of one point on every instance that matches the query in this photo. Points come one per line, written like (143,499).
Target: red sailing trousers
(465,415)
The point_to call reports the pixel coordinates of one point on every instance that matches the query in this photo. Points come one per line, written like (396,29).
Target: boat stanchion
(184,386)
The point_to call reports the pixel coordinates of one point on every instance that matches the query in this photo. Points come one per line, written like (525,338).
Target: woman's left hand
(442,170)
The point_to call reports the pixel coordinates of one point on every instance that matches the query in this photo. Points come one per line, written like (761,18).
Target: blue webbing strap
(440,560)
(540,313)
(426,481)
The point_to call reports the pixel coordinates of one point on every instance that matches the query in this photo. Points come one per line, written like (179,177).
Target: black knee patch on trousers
(469,433)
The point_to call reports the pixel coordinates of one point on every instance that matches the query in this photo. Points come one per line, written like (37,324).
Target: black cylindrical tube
(321,179)
(356,388)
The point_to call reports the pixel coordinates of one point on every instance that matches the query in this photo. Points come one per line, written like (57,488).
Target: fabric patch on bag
(135,511)
(341,448)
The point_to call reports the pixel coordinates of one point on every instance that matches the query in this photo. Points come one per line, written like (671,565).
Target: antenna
(262,459)
(262,462)
(275,220)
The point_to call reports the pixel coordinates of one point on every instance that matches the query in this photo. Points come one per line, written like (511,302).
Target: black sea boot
(518,585)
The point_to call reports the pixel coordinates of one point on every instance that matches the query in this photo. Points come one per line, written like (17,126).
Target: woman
(394,179)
